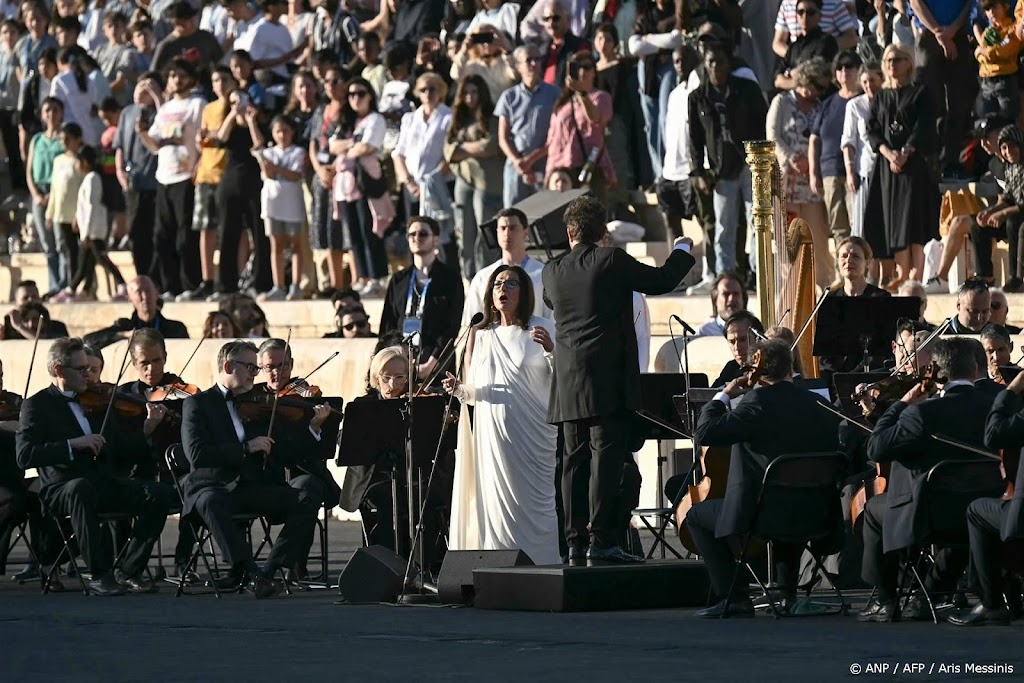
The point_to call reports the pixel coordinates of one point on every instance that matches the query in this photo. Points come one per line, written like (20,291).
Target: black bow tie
(73,398)
(229,397)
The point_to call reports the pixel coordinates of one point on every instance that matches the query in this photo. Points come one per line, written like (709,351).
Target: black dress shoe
(876,611)
(189,577)
(137,584)
(1014,600)
(611,555)
(261,587)
(105,586)
(916,610)
(740,607)
(231,582)
(30,572)
(577,554)
(980,616)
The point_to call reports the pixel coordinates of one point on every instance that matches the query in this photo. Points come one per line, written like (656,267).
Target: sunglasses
(357,94)
(552,18)
(361,324)
(422,234)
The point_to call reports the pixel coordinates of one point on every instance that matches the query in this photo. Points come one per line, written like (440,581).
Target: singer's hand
(541,336)
(450,383)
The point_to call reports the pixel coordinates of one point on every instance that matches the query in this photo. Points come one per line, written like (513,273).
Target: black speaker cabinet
(455,583)
(373,574)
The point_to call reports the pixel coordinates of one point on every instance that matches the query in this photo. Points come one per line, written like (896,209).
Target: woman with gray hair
(790,120)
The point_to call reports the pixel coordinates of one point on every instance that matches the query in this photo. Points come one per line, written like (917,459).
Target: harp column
(760,157)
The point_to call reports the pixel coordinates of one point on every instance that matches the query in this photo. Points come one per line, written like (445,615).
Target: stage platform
(560,588)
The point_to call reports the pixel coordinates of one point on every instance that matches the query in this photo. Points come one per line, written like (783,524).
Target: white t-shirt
(371,129)
(281,199)
(177,119)
(475,296)
(78,105)
(265,40)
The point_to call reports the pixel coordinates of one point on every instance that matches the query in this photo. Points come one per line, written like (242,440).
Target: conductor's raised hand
(541,336)
(261,444)
(92,443)
(679,241)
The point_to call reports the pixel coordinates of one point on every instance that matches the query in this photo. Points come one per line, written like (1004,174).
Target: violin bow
(35,345)
(194,351)
(113,391)
(970,448)
(277,394)
(296,380)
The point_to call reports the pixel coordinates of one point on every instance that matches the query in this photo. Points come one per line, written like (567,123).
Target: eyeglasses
(77,368)
(506,284)
(422,234)
(354,94)
(361,324)
(392,380)
(273,368)
(428,90)
(252,368)
(552,18)
(807,12)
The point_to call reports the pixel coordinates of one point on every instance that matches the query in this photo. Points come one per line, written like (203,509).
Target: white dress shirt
(83,421)
(233,412)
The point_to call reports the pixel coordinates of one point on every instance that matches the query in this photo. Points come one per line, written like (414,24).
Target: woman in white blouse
(857,152)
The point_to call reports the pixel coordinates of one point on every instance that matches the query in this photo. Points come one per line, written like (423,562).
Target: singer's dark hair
(525,308)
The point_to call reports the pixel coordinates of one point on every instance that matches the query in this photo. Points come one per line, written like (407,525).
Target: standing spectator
(299,22)
(243,70)
(484,52)
(724,112)
(998,47)
(498,13)
(113,196)
(471,149)
(35,87)
(10,88)
(208,176)
(836,21)
(73,88)
(947,68)
(136,168)
(790,121)
(283,208)
(197,47)
(655,36)
(268,42)
(359,183)
(238,198)
(813,42)
(301,105)
(561,42)
(31,46)
(576,135)
(858,156)
(903,192)
(524,114)
(534,24)
(143,42)
(63,200)
(368,51)
(335,30)
(825,153)
(172,137)
(44,149)
(325,231)
(117,59)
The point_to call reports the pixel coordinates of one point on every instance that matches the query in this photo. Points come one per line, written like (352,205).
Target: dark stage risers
(560,588)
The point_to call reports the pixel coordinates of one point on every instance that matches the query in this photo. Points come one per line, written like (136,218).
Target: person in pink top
(576,133)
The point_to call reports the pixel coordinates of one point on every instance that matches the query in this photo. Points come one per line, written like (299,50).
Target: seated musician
(895,520)
(94,373)
(75,464)
(298,447)
(228,475)
(995,339)
(973,308)
(773,419)
(739,335)
(995,525)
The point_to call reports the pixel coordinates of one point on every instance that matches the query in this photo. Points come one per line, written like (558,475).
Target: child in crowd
(91,223)
(117,59)
(142,41)
(242,69)
(43,150)
(113,195)
(395,99)
(60,209)
(996,53)
(368,51)
(283,207)
(560,180)
(212,159)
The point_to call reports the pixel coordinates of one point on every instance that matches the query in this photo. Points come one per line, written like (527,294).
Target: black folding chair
(69,551)
(950,487)
(663,518)
(179,466)
(22,535)
(799,503)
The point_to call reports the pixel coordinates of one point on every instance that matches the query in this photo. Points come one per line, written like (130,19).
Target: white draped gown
(504,492)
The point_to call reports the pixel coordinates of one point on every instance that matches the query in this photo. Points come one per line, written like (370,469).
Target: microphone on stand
(683,323)
(450,350)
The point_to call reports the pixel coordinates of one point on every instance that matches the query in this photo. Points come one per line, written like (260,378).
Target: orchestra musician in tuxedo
(897,519)
(228,477)
(597,377)
(740,331)
(299,448)
(996,526)
(774,418)
(76,465)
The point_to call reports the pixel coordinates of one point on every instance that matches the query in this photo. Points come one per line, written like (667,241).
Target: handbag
(370,187)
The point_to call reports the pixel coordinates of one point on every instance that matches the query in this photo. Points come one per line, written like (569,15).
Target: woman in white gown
(504,493)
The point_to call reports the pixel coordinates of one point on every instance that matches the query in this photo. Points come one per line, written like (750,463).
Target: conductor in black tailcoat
(597,380)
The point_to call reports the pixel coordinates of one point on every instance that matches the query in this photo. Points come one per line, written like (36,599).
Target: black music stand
(861,326)
(546,229)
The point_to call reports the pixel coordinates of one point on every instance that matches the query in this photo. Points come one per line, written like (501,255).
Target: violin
(175,391)
(300,387)
(10,406)
(754,369)
(258,405)
(96,398)
(895,387)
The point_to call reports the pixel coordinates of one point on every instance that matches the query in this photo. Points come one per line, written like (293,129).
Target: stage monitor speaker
(455,582)
(373,574)
(546,229)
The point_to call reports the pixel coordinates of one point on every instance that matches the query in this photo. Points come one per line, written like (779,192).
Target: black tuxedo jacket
(590,289)
(770,421)
(170,329)
(442,311)
(1004,429)
(47,424)
(903,437)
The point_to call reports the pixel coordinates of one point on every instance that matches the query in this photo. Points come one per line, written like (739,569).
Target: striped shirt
(835,18)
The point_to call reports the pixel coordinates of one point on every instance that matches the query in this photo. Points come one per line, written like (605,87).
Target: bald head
(144,298)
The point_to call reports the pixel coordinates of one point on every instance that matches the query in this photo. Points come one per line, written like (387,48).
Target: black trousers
(84,499)
(294,508)
(984,520)
(981,241)
(88,258)
(238,209)
(9,132)
(721,562)
(596,451)
(175,245)
(314,488)
(952,86)
(881,569)
(141,217)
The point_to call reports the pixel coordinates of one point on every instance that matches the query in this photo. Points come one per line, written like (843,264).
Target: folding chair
(22,535)
(67,533)
(799,502)
(949,488)
(663,518)
(179,466)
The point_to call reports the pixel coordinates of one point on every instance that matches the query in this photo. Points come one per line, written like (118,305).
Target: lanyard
(416,311)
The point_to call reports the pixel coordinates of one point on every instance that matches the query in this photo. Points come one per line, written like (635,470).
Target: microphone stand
(685,368)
